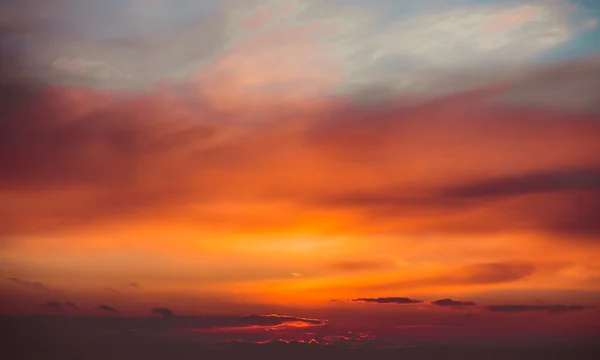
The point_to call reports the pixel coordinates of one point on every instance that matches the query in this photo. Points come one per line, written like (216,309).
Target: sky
(417,170)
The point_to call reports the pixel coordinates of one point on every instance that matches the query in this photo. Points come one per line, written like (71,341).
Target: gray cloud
(450,302)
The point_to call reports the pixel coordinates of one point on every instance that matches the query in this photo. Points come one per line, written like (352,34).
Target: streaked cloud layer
(266,155)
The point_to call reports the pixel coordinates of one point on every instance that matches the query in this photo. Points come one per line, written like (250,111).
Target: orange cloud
(176,177)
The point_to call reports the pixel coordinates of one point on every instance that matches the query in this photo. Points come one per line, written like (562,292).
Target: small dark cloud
(111,290)
(134,284)
(52,305)
(163,311)
(552,309)
(450,302)
(58,306)
(107,308)
(389,300)
(29,284)
(70,305)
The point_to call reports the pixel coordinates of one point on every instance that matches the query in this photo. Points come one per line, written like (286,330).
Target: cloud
(369,45)
(555,212)
(52,305)
(472,274)
(450,302)
(134,284)
(107,155)
(389,300)
(111,290)
(485,273)
(562,86)
(58,306)
(31,285)
(551,309)
(70,304)
(554,180)
(97,70)
(245,325)
(163,311)
(107,308)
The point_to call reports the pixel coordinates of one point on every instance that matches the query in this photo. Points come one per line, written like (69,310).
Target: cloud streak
(107,308)
(163,311)
(389,300)
(35,285)
(450,302)
(551,309)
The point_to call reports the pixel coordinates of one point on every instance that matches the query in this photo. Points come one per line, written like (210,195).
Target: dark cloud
(163,311)
(552,309)
(530,183)
(70,304)
(104,141)
(29,284)
(107,308)
(389,300)
(52,305)
(58,306)
(134,284)
(567,201)
(111,290)
(450,302)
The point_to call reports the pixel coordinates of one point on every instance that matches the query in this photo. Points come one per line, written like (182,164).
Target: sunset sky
(338,162)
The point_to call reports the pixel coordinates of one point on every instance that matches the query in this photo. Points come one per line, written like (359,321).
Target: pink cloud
(512,18)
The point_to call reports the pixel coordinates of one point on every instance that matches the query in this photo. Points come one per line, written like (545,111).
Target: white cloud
(419,51)
(412,50)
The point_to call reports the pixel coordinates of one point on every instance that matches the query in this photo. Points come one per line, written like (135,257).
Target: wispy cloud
(111,290)
(389,300)
(59,306)
(551,309)
(29,284)
(163,311)
(107,308)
